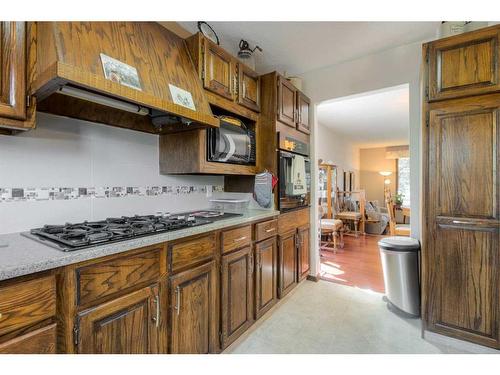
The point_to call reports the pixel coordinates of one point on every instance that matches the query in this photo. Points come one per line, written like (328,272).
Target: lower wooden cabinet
(266,276)
(39,341)
(303,252)
(237,294)
(193,310)
(125,325)
(287,262)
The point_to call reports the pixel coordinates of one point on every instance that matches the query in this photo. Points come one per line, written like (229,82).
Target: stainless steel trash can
(399,257)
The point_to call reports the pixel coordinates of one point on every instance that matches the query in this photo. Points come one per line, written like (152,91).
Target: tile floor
(325,317)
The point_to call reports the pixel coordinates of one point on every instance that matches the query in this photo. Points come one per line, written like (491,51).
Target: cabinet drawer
(103,279)
(292,220)
(192,251)
(236,238)
(266,229)
(26,302)
(39,341)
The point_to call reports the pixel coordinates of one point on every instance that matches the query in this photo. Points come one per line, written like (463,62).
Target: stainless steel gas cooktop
(69,237)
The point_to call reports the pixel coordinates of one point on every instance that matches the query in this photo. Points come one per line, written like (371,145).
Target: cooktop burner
(70,237)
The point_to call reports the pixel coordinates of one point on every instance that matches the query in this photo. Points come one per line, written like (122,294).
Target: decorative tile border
(66,193)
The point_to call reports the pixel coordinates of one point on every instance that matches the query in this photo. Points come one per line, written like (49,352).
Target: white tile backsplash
(64,152)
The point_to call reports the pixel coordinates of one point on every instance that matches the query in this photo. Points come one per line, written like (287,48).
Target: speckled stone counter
(24,256)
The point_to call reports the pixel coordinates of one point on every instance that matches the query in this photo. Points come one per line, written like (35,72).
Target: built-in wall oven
(294,174)
(233,142)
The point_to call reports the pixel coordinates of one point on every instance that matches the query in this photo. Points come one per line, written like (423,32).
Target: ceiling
(298,47)
(374,119)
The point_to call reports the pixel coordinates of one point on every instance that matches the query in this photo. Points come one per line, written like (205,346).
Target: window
(404,179)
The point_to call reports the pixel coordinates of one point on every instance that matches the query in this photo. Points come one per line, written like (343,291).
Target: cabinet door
(125,325)
(287,263)
(249,88)
(461,253)
(303,104)
(39,341)
(219,71)
(464,65)
(237,294)
(287,99)
(194,310)
(13,70)
(303,249)
(266,257)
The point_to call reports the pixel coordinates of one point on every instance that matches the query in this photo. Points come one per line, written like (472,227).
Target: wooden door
(303,252)
(287,99)
(249,88)
(193,296)
(13,70)
(266,257)
(219,71)
(464,65)
(39,341)
(461,252)
(287,262)
(237,294)
(303,103)
(125,325)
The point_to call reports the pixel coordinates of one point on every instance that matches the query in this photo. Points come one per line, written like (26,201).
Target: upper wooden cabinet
(224,75)
(464,65)
(219,70)
(287,102)
(15,66)
(248,88)
(125,325)
(303,103)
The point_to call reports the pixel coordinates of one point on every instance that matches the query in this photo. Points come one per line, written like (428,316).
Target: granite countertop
(24,256)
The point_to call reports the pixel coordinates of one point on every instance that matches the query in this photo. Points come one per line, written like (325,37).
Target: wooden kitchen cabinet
(303,252)
(287,102)
(39,341)
(464,65)
(461,252)
(125,325)
(219,70)
(287,262)
(460,256)
(303,104)
(237,294)
(266,276)
(16,67)
(248,88)
(235,84)
(193,312)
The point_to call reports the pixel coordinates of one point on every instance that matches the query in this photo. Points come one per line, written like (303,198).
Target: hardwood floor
(357,264)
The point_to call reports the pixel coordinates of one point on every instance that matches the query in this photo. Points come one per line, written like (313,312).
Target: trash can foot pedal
(396,310)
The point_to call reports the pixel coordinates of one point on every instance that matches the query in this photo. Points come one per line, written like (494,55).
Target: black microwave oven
(233,142)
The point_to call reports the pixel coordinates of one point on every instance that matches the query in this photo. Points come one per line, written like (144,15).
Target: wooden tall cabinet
(460,253)
(17,62)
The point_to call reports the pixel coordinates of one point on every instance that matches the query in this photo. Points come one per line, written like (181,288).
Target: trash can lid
(399,243)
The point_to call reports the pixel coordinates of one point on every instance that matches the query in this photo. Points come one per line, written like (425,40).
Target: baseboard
(314,278)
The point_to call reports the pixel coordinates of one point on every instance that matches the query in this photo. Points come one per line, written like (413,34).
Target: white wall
(373,72)
(339,150)
(64,152)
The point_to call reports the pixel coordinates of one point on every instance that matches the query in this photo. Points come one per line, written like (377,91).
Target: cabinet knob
(0,315)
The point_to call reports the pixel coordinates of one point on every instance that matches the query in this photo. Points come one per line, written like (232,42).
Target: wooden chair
(394,228)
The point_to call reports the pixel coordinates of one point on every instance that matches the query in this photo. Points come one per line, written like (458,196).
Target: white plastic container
(236,206)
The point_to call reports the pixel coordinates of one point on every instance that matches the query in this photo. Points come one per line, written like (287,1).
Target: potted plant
(398,200)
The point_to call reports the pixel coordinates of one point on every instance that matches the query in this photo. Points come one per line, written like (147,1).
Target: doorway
(364,182)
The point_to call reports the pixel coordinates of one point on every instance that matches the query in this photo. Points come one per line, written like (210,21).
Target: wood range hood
(70,79)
